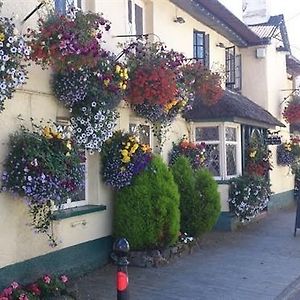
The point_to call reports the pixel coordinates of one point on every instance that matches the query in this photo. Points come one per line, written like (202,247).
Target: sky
(291,11)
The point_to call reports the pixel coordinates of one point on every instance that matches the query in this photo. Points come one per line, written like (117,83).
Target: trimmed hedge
(147,212)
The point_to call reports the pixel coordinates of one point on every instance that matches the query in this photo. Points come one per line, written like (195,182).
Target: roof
(274,28)
(233,107)
(216,16)
(293,65)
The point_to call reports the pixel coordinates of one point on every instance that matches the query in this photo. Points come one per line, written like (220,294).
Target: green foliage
(199,197)
(189,208)
(206,189)
(147,212)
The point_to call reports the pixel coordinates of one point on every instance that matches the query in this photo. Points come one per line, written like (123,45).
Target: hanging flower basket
(155,88)
(291,112)
(206,85)
(194,152)
(68,42)
(13,52)
(106,82)
(123,157)
(44,169)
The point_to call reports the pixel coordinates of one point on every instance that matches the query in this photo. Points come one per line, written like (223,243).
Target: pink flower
(3,298)
(14,285)
(23,297)
(64,278)
(47,279)
(7,292)
(34,288)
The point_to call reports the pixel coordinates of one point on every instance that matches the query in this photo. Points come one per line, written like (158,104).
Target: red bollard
(120,252)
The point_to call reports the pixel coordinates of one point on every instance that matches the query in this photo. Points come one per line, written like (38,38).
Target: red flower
(34,288)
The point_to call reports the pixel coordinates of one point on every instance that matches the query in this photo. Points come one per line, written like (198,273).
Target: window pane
(200,52)
(231,159)
(138,20)
(230,134)
(199,39)
(207,134)
(212,161)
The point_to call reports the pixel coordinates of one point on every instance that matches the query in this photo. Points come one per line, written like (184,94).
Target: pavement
(259,261)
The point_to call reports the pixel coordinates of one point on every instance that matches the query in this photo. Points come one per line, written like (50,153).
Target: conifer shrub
(206,188)
(189,202)
(147,211)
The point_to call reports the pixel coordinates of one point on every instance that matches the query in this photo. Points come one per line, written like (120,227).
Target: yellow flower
(68,154)
(106,82)
(2,37)
(125,159)
(124,152)
(125,72)
(120,84)
(47,132)
(124,86)
(134,148)
(252,154)
(145,148)
(118,69)
(126,76)
(69,145)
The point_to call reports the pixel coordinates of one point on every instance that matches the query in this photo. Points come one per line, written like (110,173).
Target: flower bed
(13,51)
(194,152)
(68,42)
(123,157)
(47,286)
(43,168)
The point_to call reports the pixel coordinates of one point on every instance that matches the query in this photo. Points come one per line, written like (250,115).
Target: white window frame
(222,146)
(69,2)
(142,122)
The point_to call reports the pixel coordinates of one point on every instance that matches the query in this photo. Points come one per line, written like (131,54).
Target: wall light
(179,20)
(221,45)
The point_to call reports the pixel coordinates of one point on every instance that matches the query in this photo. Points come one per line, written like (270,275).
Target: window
(141,131)
(80,198)
(139,20)
(201,47)
(223,148)
(230,67)
(233,69)
(62,6)
(130,11)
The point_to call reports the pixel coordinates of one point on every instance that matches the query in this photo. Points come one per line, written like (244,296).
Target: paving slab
(259,261)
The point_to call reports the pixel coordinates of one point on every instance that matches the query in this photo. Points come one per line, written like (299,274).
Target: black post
(119,255)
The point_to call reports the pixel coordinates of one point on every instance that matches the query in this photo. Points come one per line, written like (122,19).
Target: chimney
(256,11)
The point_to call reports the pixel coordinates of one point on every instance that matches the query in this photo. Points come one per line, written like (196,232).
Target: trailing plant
(285,155)
(47,286)
(248,196)
(291,112)
(105,83)
(147,211)
(123,157)
(258,158)
(13,52)
(44,169)
(194,152)
(68,42)
(206,84)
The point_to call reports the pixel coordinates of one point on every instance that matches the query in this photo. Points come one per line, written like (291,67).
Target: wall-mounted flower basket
(123,157)
(13,51)
(154,85)
(291,112)
(68,42)
(43,168)
(194,152)
(205,84)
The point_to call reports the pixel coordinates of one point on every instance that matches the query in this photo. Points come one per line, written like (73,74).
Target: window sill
(77,211)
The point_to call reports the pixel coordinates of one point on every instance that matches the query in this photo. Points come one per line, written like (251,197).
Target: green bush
(189,202)
(206,189)
(147,212)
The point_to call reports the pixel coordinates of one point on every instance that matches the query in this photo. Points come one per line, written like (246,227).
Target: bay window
(223,148)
